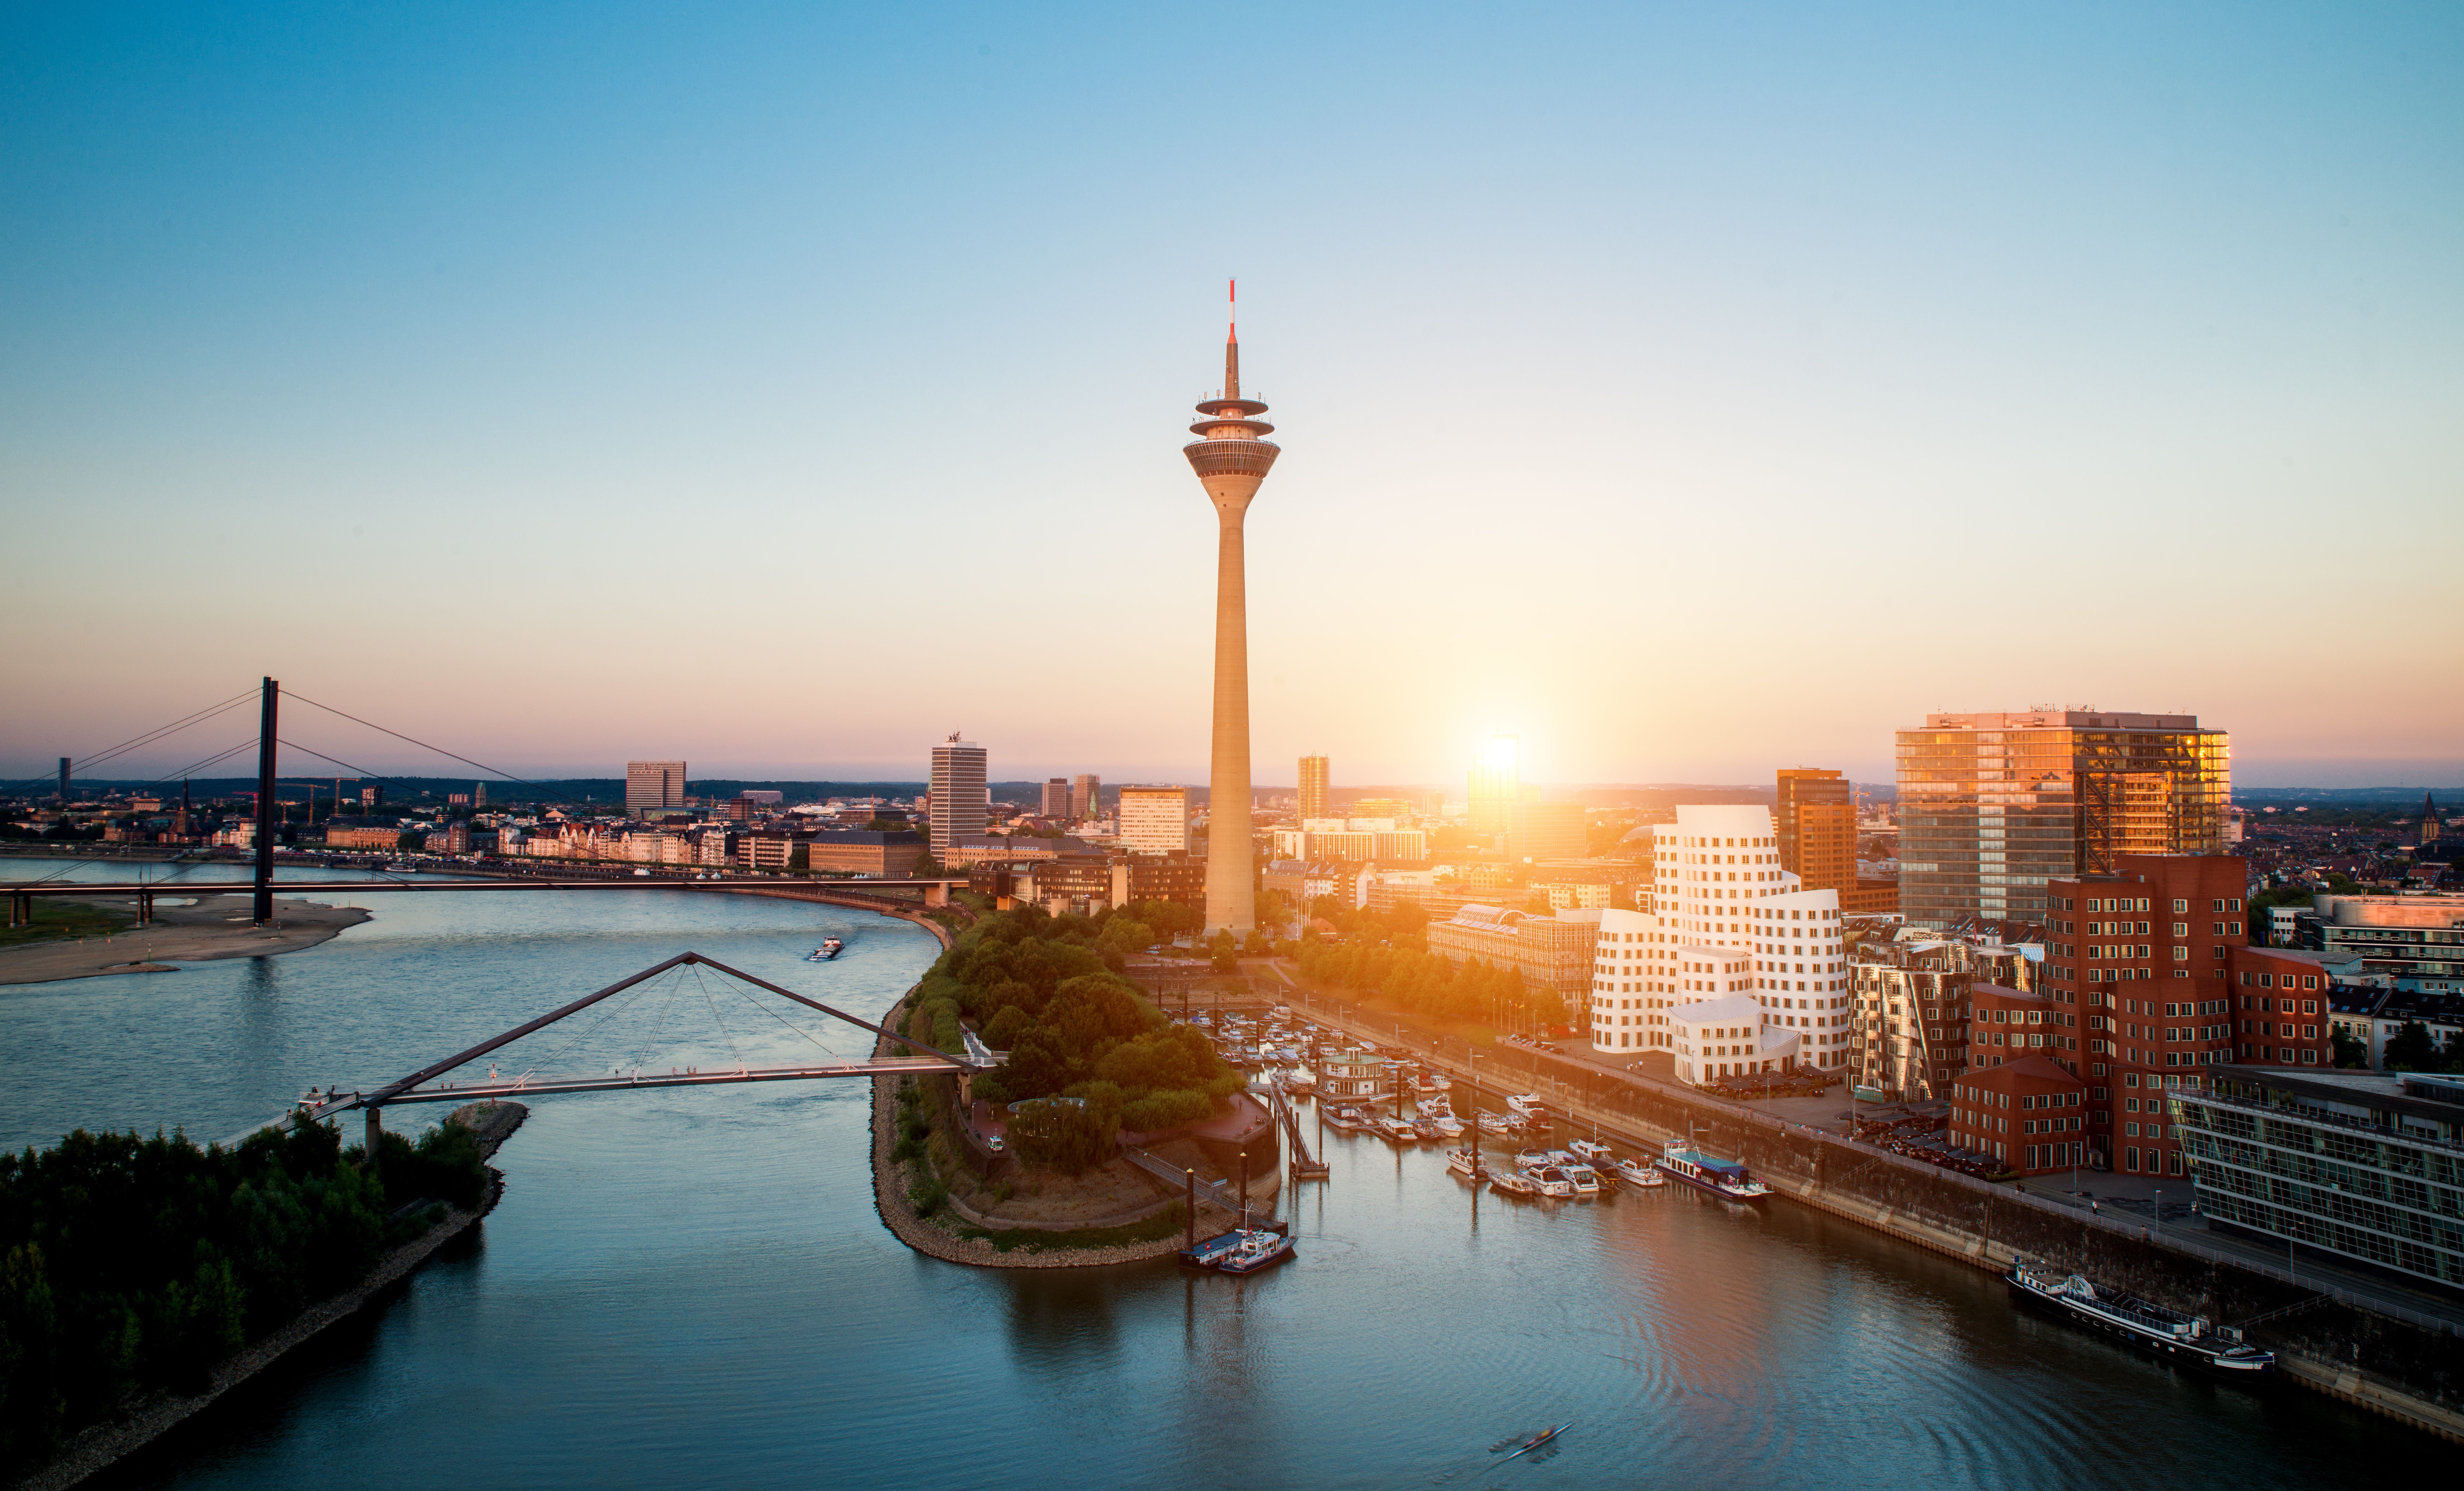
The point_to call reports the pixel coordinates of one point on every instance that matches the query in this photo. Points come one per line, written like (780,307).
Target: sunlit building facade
(1316,787)
(1724,919)
(1496,785)
(1993,806)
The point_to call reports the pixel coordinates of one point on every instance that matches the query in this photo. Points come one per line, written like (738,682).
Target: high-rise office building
(653,787)
(961,803)
(1496,785)
(1154,819)
(1993,806)
(1087,795)
(1056,798)
(1315,782)
(1817,818)
(1231,458)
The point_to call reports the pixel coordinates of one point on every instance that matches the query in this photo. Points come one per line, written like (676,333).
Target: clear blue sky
(1694,390)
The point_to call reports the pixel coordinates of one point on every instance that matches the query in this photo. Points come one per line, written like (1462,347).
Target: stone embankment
(149,1419)
(891,1177)
(2407,1369)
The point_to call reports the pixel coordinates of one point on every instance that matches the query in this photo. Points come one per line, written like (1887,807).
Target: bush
(926,1194)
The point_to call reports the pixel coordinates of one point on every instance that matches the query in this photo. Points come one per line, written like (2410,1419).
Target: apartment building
(2028,1113)
(1317,787)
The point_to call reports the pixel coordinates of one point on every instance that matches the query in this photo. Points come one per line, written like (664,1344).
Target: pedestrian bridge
(437,1082)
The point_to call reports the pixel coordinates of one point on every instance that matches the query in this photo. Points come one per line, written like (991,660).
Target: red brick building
(2149,954)
(2028,1114)
(2280,1009)
(2007,1026)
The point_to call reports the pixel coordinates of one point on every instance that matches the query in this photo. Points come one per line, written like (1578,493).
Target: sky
(1691,390)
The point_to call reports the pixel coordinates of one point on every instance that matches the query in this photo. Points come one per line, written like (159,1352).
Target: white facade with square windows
(1725,921)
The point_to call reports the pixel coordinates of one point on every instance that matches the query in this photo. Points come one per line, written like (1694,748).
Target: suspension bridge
(260,886)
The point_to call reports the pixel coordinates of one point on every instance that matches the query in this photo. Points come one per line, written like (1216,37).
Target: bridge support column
(376,1134)
(1189,1182)
(938,893)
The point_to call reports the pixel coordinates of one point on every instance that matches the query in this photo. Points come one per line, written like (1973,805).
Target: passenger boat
(1591,1151)
(1239,1251)
(829,949)
(1553,1182)
(1725,1179)
(2147,1326)
(1507,1183)
(1634,1172)
(1459,1161)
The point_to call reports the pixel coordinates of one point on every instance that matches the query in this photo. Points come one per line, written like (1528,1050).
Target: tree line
(129,1265)
(1050,991)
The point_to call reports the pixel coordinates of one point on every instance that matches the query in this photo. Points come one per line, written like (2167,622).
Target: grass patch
(56,921)
(1034,1240)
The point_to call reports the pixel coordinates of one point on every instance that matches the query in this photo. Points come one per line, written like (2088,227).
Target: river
(691,1286)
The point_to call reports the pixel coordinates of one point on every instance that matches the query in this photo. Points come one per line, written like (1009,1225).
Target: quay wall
(2408,1369)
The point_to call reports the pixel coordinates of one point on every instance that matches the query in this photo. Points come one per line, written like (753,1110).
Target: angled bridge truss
(423,1086)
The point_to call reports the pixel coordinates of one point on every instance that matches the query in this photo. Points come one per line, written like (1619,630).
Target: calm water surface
(692,1287)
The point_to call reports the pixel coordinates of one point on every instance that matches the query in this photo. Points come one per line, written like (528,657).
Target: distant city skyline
(2018,355)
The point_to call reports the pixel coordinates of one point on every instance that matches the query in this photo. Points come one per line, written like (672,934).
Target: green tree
(2411,1049)
(1227,951)
(2351,1051)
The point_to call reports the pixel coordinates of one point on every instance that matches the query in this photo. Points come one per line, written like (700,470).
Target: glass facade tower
(1993,806)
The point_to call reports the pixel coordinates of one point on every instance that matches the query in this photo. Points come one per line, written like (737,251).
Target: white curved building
(1725,921)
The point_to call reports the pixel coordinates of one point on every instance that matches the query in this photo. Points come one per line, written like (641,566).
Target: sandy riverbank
(213,927)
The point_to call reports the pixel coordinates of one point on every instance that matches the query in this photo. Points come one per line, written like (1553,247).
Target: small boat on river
(1244,1250)
(1553,1182)
(1634,1172)
(1508,1182)
(1725,1179)
(1587,1181)
(2143,1324)
(830,948)
(1461,1161)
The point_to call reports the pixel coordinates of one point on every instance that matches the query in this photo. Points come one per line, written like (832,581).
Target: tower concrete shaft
(1231,460)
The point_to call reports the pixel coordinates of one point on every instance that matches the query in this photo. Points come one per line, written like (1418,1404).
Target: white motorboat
(1554,1182)
(1459,1161)
(1634,1172)
(1586,1181)
(1591,1151)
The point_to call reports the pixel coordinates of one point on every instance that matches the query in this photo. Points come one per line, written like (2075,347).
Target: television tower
(1230,459)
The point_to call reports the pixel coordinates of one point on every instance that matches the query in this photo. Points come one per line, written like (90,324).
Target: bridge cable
(422,745)
(78,765)
(548,1063)
(77,864)
(782,1020)
(674,981)
(729,1035)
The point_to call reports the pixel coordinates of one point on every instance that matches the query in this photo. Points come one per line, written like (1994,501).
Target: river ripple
(692,1287)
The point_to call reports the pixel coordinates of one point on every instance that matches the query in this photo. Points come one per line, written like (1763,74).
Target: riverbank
(2387,1362)
(213,927)
(892,1177)
(97,1447)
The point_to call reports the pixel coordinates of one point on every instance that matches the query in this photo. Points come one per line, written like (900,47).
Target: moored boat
(1240,1251)
(1509,1183)
(1634,1172)
(2143,1324)
(1586,1181)
(1553,1182)
(1725,1179)
(1591,1151)
(1459,1161)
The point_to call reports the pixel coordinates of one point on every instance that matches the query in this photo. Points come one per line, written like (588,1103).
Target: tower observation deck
(1231,458)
